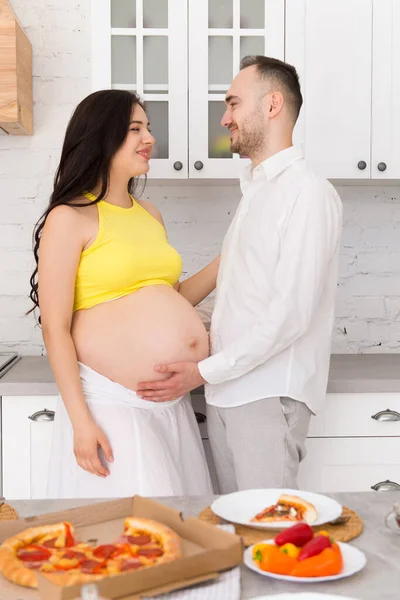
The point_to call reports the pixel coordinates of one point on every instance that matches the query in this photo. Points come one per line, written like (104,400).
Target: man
(274,310)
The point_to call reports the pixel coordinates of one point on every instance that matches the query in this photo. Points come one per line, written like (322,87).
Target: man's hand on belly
(184,377)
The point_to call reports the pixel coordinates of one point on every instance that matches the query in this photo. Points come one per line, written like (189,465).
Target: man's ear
(275,104)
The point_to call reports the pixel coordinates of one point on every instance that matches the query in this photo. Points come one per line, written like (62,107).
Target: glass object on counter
(392,520)
(218,136)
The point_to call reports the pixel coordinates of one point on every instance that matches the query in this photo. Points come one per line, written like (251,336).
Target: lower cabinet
(351,465)
(27,427)
(354,445)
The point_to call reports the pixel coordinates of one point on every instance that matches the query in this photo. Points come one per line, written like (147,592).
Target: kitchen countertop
(349,373)
(379,580)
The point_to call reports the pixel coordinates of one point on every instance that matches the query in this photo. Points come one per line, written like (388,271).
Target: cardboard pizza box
(206,550)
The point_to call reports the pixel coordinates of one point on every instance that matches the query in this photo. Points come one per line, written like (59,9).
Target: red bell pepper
(69,540)
(299,535)
(314,547)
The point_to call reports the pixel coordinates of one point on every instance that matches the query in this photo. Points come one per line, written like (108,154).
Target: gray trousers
(259,444)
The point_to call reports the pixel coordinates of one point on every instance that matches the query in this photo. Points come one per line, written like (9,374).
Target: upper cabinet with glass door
(221,33)
(141,45)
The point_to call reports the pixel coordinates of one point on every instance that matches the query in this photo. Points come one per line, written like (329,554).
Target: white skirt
(157,447)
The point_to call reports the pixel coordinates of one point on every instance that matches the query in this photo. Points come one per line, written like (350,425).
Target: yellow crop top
(131,251)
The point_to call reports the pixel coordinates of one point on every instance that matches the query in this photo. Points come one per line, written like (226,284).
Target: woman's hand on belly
(88,438)
(184,377)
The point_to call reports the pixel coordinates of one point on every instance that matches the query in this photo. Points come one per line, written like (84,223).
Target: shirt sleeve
(308,244)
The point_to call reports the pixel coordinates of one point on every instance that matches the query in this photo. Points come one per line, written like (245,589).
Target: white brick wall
(368,304)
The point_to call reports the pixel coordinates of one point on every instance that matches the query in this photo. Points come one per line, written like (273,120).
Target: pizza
(287,508)
(55,551)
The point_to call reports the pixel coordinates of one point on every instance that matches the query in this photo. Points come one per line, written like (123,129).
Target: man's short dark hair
(280,73)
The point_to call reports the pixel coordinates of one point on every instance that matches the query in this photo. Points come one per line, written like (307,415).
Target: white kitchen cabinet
(220,35)
(347,53)
(141,45)
(27,427)
(385,157)
(354,444)
(358,415)
(351,465)
(180,57)
(330,44)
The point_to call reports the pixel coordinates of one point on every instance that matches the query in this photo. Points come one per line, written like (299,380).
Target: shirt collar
(271,167)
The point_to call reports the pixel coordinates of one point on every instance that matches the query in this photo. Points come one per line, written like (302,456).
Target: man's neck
(273,148)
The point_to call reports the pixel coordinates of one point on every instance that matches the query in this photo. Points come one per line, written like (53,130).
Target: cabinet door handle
(43,415)
(178,165)
(382,166)
(198,165)
(386,486)
(362,165)
(386,415)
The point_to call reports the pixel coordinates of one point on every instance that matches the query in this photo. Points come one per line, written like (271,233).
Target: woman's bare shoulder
(151,209)
(71,216)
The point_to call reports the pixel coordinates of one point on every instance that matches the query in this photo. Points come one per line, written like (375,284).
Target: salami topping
(91,567)
(106,551)
(139,540)
(33,554)
(50,543)
(130,563)
(74,554)
(150,552)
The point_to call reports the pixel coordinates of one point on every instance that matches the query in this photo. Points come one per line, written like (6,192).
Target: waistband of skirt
(100,389)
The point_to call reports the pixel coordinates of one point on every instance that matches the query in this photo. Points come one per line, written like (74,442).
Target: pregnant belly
(125,338)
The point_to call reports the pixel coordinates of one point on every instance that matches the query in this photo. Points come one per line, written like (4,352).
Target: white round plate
(241,507)
(353,561)
(303,596)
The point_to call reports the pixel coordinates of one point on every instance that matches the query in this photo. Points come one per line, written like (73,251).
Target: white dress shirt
(274,310)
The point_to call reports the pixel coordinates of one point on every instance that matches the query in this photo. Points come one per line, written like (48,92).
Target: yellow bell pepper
(259,549)
(326,534)
(291,550)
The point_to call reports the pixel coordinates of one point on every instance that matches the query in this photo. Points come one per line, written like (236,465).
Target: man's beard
(252,138)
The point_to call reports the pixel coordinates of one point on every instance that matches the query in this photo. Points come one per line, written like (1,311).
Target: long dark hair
(95,132)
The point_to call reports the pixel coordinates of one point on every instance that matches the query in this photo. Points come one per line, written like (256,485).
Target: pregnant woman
(111,306)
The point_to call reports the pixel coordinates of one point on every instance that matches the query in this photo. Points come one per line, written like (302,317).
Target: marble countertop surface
(349,373)
(379,580)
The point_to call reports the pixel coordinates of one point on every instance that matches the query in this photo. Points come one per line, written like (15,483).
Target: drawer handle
(200,417)
(386,486)
(386,415)
(43,415)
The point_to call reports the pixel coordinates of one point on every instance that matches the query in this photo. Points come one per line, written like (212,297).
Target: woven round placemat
(7,513)
(349,527)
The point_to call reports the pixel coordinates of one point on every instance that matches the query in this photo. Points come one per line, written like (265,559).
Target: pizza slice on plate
(287,508)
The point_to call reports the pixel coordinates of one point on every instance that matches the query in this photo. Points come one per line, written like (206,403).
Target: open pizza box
(206,550)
